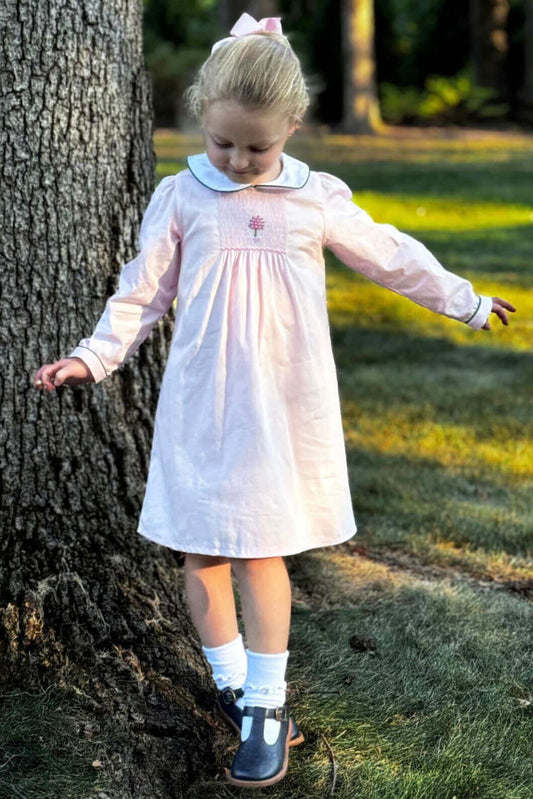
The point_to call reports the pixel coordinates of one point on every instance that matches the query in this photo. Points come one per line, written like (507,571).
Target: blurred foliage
(444,100)
(177,39)
(414,39)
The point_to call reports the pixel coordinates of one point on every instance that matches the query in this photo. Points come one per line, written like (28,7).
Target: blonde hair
(258,71)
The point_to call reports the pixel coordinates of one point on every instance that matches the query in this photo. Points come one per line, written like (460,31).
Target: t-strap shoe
(258,763)
(232,713)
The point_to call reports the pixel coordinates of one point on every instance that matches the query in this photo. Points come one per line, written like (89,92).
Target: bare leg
(265,592)
(210,598)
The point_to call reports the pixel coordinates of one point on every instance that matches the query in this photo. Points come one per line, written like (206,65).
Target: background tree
(230,11)
(361,107)
(85,602)
(528,54)
(177,38)
(488,20)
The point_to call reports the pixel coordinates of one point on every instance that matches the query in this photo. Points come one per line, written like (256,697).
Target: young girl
(248,461)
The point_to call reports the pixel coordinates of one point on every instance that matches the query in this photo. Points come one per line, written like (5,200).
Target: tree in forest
(528,54)
(230,11)
(361,107)
(488,24)
(85,602)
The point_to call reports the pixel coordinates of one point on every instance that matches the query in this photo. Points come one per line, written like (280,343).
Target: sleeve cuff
(92,361)
(481,314)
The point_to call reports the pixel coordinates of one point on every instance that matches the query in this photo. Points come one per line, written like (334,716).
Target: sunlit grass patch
(446,213)
(169,166)
(500,567)
(413,146)
(408,432)
(355,300)
(331,578)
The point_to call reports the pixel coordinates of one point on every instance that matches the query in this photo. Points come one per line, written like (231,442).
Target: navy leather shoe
(233,714)
(258,763)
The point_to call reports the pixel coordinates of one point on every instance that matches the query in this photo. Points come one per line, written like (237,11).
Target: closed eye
(227,145)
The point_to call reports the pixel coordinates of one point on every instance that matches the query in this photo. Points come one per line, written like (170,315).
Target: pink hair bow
(247,25)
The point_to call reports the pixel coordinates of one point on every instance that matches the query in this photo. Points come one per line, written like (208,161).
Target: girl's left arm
(399,262)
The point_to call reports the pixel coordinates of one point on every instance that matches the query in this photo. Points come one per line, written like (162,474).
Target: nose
(239,159)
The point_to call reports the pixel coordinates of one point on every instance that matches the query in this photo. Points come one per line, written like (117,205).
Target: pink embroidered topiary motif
(256,223)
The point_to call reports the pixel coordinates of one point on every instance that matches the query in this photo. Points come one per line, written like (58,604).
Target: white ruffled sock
(265,686)
(228,663)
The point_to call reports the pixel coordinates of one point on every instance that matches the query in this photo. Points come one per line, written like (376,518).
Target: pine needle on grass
(333,765)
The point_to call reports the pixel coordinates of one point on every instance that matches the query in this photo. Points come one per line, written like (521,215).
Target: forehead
(234,122)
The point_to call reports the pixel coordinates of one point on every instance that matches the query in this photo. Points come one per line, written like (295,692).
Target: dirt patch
(408,563)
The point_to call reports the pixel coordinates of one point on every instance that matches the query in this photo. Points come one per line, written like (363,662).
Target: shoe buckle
(228,696)
(280,714)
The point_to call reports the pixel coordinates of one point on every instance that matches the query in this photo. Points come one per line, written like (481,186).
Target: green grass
(48,748)
(439,431)
(411,670)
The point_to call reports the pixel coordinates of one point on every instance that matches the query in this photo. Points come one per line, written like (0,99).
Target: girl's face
(245,143)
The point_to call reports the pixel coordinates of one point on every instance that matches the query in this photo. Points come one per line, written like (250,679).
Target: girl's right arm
(147,287)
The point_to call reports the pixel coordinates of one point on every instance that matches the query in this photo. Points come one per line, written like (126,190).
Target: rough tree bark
(488,25)
(85,602)
(361,112)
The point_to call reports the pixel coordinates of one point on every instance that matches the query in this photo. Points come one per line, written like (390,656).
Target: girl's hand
(71,371)
(499,307)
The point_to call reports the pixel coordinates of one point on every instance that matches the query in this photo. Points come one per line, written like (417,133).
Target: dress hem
(285,553)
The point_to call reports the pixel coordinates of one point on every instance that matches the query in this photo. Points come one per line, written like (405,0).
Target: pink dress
(248,457)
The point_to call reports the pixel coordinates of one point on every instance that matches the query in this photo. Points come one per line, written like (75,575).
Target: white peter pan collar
(294,175)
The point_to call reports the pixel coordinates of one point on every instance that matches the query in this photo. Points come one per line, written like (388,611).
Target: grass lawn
(411,666)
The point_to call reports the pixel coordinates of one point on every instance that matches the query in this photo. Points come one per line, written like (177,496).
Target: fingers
(504,304)
(46,378)
(61,376)
(501,314)
(500,308)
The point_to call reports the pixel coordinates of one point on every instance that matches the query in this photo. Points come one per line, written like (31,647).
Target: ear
(294,124)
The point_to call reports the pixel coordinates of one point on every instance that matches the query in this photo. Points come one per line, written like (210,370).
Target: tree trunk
(361,108)
(85,602)
(488,23)
(264,8)
(229,12)
(528,52)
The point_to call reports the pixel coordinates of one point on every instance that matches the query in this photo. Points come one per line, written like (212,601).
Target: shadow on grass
(48,746)
(414,503)
(501,253)
(484,180)
(438,440)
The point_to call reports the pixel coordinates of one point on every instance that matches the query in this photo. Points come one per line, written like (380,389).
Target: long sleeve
(147,287)
(395,260)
